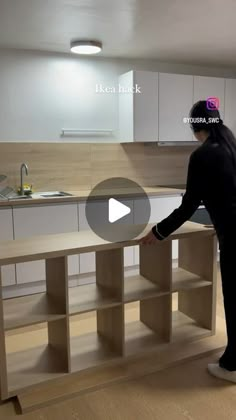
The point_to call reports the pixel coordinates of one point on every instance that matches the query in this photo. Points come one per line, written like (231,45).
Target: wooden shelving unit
(174,305)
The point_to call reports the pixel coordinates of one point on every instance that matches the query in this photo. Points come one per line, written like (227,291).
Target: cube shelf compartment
(192,316)
(117,316)
(154,278)
(102,341)
(147,324)
(43,355)
(41,307)
(30,310)
(108,289)
(185,280)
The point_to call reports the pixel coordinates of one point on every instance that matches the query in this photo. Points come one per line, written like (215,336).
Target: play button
(117,209)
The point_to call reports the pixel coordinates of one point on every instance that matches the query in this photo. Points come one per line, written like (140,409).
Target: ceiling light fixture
(86,47)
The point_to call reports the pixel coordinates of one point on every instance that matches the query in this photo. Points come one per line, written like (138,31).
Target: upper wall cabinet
(205,87)
(138,106)
(175,102)
(152,106)
(230,104)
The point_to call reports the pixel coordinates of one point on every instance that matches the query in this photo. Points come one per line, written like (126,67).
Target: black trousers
(228,274)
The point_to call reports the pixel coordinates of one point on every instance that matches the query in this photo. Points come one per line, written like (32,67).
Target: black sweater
(212,180)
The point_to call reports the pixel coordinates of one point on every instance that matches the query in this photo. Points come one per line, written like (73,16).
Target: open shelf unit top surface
(52,246)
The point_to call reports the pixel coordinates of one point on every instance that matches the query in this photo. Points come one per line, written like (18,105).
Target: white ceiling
(187,31)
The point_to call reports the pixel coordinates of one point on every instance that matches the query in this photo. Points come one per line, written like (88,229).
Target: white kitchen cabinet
(175,102)
(87,261)
(138,111)
(44,220)
(6,233)
(161,207)
(205,87)
(230,104)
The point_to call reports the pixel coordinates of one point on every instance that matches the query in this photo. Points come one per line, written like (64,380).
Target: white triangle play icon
(117,210)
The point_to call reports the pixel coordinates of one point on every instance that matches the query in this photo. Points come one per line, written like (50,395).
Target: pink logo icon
(213,103)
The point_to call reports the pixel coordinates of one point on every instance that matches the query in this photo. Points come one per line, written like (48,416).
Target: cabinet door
(175,102)
(44,220)
(126,108)
(138,109)
(161,207)
(6,233)
(87,261)
(230,104)
(146,106)
(205,87)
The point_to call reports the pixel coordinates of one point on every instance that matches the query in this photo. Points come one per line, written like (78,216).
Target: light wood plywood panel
(39,358)
(57,282)
(110,326)
(183,279)
(51,246)
(33,366)
(148,166)
(152,364)
(186,329)
(110,271)
(97,339)
(197,304)
(144,332)
(52,166)
(29,310)
(90,297)
(79,167)
(199,257)
(139,288)
(58,339)
(156,264)
(155,313)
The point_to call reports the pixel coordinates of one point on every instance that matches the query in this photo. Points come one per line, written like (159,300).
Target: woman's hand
(149,239)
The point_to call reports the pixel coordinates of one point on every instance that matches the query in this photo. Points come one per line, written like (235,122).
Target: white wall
(41,93)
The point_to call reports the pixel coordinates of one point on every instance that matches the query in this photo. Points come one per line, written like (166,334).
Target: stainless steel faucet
(25,168)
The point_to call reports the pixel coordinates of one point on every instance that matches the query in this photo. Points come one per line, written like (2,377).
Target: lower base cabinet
(8,274)
(44,220)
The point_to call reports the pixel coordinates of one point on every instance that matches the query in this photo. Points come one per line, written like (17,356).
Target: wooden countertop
(83,195)
(52,246)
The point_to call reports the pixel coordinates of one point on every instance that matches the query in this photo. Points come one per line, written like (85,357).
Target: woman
(212,180)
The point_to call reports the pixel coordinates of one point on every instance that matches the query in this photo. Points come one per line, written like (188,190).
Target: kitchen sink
(38,195)
(19,197)
(51,194)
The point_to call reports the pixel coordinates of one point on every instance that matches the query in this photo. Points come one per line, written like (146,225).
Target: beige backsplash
(81,166)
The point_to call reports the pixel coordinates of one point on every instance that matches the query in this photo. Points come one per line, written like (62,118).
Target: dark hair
(218,132)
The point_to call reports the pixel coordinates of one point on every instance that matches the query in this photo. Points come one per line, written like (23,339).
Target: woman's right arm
(190,202)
